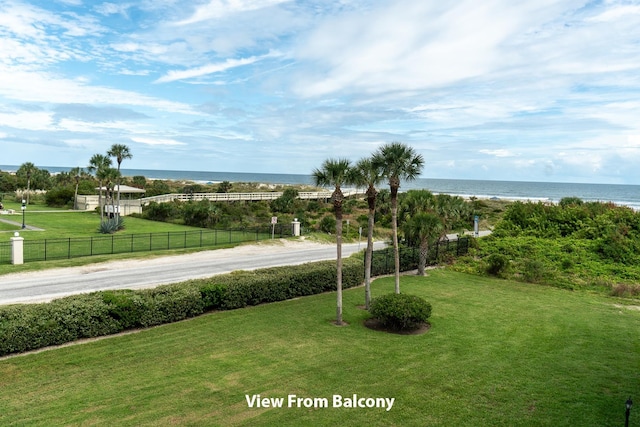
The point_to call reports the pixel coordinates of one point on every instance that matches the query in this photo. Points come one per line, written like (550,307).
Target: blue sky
(533,90)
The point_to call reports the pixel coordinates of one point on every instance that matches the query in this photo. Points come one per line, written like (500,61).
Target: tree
(368,174)
(26,171)
(335,173)
(426,218)
(120,152)
(99,164)
(398,162)
(426,228)
(111,178)
(76,174)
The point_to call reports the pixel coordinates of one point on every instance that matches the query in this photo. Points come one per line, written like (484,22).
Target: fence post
(17,249)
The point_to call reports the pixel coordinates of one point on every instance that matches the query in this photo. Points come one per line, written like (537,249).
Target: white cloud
(408,45)
(498,153)
(218,9)
(618,12)
(44,88)
(113,8)
(205,69)
(156,141)
(29,120)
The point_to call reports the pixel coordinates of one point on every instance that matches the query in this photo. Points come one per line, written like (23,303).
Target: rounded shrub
(400,311)
(496,264)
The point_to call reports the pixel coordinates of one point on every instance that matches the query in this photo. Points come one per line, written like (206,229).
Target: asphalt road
(46,285)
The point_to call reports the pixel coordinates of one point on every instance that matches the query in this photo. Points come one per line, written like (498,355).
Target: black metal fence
(444,251)
(74,247)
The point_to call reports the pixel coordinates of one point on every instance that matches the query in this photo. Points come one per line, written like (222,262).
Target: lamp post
(628,405)
(24,208)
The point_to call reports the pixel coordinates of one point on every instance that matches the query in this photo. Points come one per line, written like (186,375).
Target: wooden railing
(230,197)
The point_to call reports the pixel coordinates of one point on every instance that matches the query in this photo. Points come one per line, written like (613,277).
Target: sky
(533,90)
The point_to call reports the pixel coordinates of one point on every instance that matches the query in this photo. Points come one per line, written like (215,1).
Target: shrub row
(32,326)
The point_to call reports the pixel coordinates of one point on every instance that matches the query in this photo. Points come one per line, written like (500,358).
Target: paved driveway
(145,273)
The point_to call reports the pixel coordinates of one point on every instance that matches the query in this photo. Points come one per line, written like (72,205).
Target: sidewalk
(19,224)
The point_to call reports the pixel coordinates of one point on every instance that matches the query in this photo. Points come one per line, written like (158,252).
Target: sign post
(274,221)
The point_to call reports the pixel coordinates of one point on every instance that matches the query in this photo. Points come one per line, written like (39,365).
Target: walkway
(231,197)
(19,224)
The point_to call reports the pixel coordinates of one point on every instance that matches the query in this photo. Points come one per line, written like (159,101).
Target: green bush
(60,197)
(533,270)
(125,306)
(496,264)
(400,311)
(328,224)
(28,327)
(170,303)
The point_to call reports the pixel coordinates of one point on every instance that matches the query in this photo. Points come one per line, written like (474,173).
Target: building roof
(124,189)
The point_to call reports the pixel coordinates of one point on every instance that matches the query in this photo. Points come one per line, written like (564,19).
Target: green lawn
(499,353)
(8,227)
(135,241)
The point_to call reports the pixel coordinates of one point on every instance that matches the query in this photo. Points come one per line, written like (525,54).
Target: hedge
(32,326)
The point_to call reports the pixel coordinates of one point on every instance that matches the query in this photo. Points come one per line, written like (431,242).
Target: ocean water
(628,195)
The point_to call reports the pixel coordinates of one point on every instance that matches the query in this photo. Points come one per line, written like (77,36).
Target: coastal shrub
(496,264)
(170,303)
(32,326)
(533,270)
(60,197)
(246,288)
(213,295)
(624,290)
(125,306)
(328,224)
(155,211)
(400,311)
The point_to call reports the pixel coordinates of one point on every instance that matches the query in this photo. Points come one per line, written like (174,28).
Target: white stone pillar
(17,249)
(296,227)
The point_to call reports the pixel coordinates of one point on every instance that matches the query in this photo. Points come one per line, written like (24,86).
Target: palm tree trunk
(100,203)
(394,231)
(339,266)
(368,260)
(75,199)
(422,258)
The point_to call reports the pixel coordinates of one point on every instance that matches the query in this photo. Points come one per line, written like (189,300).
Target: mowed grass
(498,354)
(62,224)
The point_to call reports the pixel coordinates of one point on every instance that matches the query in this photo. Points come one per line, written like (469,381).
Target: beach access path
(45,285)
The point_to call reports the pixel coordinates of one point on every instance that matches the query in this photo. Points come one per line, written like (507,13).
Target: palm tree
(335,173)
(98,164)
(368,174)
(27,169)
(425,227)
(111,176)
(398,162)
(76,173)
(120,152)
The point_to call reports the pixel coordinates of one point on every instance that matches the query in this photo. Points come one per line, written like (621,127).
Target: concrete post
(17,249)
(296,227)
